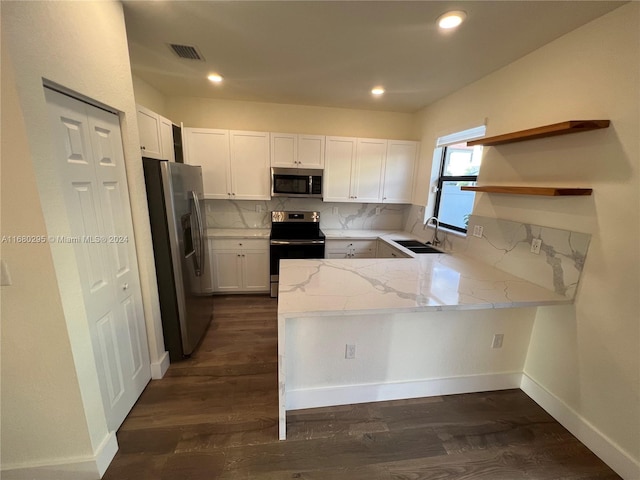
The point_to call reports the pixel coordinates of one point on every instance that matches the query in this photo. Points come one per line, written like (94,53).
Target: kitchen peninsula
(411,328)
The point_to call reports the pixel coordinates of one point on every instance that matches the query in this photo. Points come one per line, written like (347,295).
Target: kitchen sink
(417,247)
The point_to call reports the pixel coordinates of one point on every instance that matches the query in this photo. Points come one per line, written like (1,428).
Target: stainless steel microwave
(296,182)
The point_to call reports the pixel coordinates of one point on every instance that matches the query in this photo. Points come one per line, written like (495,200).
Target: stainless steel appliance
(293,235)
(296,182)
(174,196)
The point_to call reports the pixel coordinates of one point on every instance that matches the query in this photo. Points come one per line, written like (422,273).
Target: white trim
(463,136)
(85,468)
(378,392)
(596,441)
(159,368)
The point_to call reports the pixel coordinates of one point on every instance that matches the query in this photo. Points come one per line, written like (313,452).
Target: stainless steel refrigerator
(175,198)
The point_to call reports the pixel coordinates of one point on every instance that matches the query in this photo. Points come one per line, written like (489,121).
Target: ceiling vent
(186,51)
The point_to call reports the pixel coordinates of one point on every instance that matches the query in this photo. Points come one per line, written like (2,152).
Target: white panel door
(339,156)
(366,179)
(256,270)
(209,148)
(90,161)
(166,139)
(227,270)
(149,130)
(250,165)
(284,150)
(311,151)
(399,171)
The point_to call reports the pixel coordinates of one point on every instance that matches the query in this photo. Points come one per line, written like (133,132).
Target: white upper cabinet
(311,151)
(289,150)
(366,176)
(284,150)
(340,155)
(353,169)
(250,172)
(166,139)
(209,149)
(235,164)
(369,170)
(399,171)
(156,134)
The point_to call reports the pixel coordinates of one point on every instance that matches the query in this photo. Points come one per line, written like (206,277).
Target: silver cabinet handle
(125,286)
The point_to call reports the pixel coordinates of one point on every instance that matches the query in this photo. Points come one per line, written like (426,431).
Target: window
(459,166)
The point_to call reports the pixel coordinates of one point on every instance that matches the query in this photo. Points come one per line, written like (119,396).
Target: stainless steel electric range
(294,235)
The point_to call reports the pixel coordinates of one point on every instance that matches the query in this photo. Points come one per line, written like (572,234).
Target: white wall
(585,355)
(149,97)
(272,117)
(40,392)
(411,347)
(81,46)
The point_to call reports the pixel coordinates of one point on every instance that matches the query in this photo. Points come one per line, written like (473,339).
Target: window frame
(439,186)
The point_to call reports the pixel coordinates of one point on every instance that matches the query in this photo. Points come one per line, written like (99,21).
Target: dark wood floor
(214,416)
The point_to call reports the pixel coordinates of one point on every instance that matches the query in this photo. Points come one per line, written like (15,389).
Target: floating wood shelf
(563,128)
(545,191)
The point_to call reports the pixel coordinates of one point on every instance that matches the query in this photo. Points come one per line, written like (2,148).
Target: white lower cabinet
(350,249)
(384,250)
(239,265)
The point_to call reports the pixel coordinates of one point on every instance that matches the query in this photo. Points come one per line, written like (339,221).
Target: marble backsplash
(339,216)
(507,245)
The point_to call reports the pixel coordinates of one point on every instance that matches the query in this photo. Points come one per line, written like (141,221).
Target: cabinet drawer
(239,243)
(353,247)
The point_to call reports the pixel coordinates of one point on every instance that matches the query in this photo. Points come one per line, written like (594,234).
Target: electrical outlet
(478,230)
(350,352)
(536,243)
(497,340)
(378,209)
(335,210)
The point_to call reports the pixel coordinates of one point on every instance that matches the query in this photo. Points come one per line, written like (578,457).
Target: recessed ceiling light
(451,19)
(377,91)
(215,78)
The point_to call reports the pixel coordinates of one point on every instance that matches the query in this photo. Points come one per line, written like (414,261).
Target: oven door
(283,249)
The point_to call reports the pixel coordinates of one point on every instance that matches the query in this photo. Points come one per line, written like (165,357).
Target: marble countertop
(364,234)
(238,233)
(433,282)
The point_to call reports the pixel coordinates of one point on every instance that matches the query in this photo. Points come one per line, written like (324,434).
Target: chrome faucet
(435,241)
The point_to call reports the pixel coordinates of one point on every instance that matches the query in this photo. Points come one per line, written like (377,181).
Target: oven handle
(297,242)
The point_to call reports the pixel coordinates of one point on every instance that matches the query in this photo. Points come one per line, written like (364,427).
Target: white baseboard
(159,368)
(87,468)
(610,453)
(344,395)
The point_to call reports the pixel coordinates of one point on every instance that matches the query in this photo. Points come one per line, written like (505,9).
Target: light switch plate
(478,230)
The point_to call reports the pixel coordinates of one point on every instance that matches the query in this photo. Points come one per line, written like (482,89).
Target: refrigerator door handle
(200,255)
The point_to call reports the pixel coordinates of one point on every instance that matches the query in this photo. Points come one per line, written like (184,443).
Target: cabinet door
(284,150)
(256,270)
(339,156)
(363,248)
(166,139)
(399,171)
(250,166)
(226,270)
(366,177)
(149,129)
(210,149)
(311,151)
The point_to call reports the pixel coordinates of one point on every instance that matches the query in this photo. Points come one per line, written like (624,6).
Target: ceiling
(331,53)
